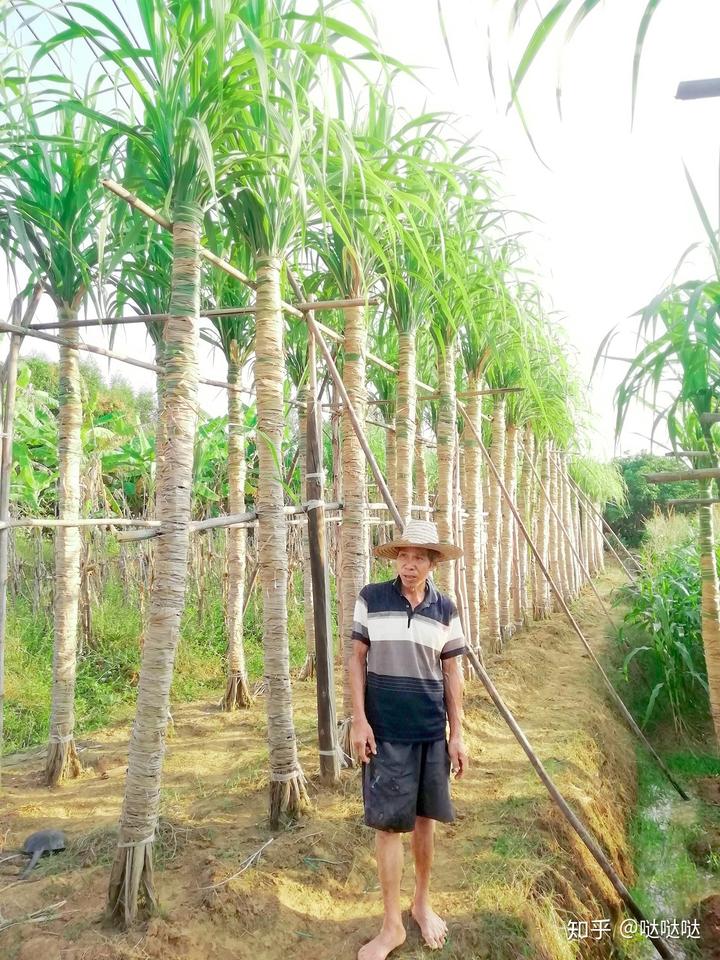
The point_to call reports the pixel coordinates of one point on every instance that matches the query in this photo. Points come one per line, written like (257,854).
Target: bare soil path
(508,874)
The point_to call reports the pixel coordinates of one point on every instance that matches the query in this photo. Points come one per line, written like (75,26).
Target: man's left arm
(453,683)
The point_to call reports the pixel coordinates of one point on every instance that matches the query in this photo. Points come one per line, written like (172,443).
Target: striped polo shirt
(405,694)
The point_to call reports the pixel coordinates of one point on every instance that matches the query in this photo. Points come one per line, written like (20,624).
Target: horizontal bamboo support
(109,354)
(709,418)
(688,453)
(338,304)
(699,502)
(383,506)
(57,523)
(677,476)
(149,527)
(219,312)
(477,393)
(214,523)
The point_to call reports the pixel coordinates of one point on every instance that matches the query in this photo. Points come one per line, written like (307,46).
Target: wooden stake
(325,685)
(566,610)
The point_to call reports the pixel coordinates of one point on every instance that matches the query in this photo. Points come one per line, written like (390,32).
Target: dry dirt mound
(508,873)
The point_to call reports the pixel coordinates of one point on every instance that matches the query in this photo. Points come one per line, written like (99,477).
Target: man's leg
(432,927)
(389,852)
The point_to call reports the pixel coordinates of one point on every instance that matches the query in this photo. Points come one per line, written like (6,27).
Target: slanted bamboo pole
(566,610)
(578,826)
(325,686)
(371,358)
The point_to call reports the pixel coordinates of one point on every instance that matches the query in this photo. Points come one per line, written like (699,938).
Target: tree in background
(644,499)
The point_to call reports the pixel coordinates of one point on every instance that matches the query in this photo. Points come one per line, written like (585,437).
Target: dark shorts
(407,780)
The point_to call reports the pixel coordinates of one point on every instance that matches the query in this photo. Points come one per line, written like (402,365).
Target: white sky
(613,207)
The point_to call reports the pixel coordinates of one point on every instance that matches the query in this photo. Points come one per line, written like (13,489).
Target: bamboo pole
(469,394)
(334,373)
(324,667)
(675,476)
(566,610)
(687,453)
(578,826)
(371,358)
(218,312)
(707,419)
(102,352)
(566,534)
(8,418)
(211,523)
(698,502)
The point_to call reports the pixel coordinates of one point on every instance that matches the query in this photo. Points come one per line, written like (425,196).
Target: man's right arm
(361,735)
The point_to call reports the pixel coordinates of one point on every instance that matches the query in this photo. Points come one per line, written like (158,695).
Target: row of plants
(661,636)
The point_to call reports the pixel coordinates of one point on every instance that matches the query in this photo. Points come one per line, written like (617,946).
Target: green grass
(108,669)
(669,882)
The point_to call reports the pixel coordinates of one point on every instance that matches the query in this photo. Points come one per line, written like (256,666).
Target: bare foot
(433,928)
(384,943)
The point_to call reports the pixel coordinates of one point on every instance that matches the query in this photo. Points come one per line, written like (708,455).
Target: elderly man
(406,681)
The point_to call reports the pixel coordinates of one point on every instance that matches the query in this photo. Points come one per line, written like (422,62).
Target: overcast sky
(614,213)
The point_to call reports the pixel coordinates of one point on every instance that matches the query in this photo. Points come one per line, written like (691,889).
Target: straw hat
(422,534)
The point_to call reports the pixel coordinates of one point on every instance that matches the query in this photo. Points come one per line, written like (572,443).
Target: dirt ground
(508,874)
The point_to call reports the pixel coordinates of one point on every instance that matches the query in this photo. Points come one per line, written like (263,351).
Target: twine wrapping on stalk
(137,843)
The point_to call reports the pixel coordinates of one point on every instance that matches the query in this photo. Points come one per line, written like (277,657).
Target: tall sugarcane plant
(55,217)
(192,81)
(234,335)
(268,208)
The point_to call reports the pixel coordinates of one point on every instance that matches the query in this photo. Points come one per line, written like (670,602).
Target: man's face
(413,566)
